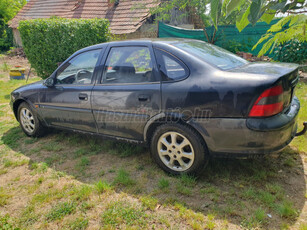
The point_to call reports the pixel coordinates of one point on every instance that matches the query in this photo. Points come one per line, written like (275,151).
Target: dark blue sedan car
(188,100)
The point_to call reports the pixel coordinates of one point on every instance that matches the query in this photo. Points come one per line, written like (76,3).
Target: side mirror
(49,82)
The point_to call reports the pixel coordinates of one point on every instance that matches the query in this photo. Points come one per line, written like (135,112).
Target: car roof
(153,40)
(141,41)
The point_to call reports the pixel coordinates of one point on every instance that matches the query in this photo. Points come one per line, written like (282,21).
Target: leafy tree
(201,9)
(276,35)
(244,12)
(9,8)
(266,10)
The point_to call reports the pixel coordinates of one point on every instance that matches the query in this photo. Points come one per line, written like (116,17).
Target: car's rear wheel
(178,149)
(29,122)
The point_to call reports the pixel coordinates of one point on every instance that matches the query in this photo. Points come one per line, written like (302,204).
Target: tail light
(269,103)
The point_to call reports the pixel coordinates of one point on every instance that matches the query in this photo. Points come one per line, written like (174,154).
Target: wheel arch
(18,102)
(16,106)
(164,118)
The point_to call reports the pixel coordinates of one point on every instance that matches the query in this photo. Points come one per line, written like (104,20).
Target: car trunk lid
(285,74)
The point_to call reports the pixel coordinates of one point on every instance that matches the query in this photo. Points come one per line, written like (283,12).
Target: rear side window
(170,67)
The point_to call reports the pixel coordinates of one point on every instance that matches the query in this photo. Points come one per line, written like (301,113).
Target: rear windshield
(212,54)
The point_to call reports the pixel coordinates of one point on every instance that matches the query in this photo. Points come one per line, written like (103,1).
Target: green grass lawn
(71,181)
(301,92)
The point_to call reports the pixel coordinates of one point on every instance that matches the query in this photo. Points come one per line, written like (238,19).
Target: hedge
(47,42)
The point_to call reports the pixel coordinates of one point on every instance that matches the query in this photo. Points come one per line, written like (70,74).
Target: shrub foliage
(6,36)
(292,51)
(47,42)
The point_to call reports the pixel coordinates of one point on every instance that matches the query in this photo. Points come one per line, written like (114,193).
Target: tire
(178,149)
(29,122)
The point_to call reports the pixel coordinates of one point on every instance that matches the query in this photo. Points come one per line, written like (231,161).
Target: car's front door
(68,103)
(128,93)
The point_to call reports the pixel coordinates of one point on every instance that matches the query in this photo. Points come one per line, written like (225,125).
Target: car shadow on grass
(268,192)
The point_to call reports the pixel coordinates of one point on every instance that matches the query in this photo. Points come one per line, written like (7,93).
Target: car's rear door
(128,93)
(68,103)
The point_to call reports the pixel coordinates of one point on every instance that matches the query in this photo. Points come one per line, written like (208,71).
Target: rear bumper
(249,137)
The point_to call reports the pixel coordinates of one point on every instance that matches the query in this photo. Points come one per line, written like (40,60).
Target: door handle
(83,96)
(144,98)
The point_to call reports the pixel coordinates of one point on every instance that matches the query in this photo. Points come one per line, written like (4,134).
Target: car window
(128,65)
(212,54)
(79,70)
(171,68)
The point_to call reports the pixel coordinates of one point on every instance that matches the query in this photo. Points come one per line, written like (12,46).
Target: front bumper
(236,137)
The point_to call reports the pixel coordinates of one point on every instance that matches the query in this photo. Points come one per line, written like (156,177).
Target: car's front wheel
(178,149)
(29,122)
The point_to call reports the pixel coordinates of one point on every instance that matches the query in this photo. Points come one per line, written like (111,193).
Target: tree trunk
(206,34)
(213,37)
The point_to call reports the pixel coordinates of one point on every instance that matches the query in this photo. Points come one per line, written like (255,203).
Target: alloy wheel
(27,120)
(176,151)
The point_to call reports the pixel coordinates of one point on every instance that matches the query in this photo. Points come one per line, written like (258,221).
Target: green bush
(47,42)
(235,46)
(292,51)
(6,36)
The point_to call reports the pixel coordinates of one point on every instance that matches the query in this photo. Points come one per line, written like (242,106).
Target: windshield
(212,54)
